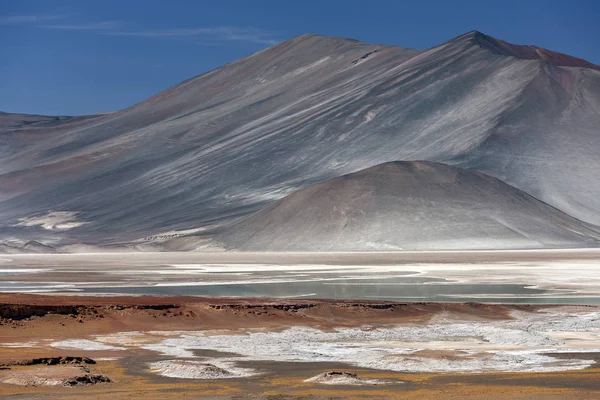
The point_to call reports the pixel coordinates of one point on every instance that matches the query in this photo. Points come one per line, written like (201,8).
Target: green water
(395,289)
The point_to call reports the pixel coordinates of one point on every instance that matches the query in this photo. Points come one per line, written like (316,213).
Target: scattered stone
(87,379)
(53,375)
(51,361)
(18,312)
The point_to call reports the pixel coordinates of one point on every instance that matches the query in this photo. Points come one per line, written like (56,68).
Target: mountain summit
(525,52)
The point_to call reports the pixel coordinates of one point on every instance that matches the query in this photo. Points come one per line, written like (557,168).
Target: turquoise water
(390,289)
(385,283)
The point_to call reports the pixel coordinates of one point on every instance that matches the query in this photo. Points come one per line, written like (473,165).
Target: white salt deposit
(343,378)
(199,370)
(525,344)
(16,345)
(84,344)
(23,270)
(129,339)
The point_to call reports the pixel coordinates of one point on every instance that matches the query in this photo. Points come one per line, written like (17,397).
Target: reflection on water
(397,288)
(476,282)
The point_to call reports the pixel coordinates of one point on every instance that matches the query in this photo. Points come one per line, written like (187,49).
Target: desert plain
(301,325)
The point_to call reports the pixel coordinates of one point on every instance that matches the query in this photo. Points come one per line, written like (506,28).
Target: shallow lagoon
(565,277)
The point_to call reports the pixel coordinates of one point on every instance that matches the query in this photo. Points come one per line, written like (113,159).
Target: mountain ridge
(479,38)
(525,52)
(222,145)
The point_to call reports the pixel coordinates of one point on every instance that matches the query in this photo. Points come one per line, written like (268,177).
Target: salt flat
(548,276)
(520,344)
(151,344)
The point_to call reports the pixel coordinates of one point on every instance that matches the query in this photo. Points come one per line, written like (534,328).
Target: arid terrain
(301,325)
(322,219)
(180,347)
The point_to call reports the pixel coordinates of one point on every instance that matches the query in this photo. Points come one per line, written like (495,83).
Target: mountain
(408,206)
(225,144)
(529,52)
(29,247)
(37,247)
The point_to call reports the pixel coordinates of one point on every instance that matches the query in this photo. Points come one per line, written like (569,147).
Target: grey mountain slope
(37,247)
(29,247)
(226,143)
(8,249)
(408,206)
(18,131)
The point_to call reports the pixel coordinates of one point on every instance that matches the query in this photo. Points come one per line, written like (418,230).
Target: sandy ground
(189,347)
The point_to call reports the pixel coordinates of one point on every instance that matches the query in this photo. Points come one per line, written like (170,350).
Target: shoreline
(100,299)
(547,277)
(317,256)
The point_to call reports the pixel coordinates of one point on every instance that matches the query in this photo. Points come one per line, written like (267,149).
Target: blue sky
(70,57)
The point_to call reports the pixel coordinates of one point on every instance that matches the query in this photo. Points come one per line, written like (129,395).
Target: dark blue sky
(67,57)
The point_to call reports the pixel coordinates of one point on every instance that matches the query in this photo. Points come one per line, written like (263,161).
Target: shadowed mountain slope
(408,206)
(226,143)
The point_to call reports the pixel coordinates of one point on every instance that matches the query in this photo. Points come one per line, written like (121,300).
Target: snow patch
(53,220)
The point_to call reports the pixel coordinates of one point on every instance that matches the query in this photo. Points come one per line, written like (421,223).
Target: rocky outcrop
(62,360)
(51,371)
